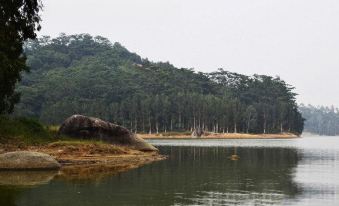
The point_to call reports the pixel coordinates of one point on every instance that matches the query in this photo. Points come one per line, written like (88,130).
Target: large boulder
(80,126)
(24,160)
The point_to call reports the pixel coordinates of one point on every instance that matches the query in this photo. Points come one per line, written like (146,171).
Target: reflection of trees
(191,175)
(259,171)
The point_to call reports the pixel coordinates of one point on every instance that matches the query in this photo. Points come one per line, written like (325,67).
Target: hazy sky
(295,39)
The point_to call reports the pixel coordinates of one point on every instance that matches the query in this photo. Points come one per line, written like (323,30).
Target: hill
(91,76)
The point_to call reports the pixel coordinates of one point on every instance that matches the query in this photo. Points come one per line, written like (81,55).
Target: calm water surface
(199,172)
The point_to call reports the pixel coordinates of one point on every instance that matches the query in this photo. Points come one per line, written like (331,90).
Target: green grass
(24,131)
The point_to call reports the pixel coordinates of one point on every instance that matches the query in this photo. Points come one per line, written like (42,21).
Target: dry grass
(53,128)
(86,148)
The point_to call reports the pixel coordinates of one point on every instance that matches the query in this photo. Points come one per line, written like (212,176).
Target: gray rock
(79,126)
(24,160)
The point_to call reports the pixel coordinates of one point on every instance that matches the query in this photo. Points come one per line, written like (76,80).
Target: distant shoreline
(221,136)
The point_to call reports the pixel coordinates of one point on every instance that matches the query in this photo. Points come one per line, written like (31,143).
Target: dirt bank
(88,160)
(219,136)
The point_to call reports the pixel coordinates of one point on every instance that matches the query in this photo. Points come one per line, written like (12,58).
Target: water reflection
(297,172)
(262,175)
(14,183)
(234,156)
(318,174)
(191,176)
(26,178)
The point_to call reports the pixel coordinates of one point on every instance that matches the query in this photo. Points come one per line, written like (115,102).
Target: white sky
(295,39)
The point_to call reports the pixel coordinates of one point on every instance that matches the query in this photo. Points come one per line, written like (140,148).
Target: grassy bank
(23,131)
(210,135)
(78,157)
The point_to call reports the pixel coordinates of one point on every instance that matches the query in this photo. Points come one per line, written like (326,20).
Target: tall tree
(19,20)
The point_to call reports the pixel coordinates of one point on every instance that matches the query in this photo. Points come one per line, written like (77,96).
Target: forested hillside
(81,74)
(321,120)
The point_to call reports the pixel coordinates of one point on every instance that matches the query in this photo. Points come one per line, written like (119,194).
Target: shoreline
(81,160)
(221,136)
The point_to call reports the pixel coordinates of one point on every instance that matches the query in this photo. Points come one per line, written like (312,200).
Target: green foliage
(321,120)
(90,76)
(19,20)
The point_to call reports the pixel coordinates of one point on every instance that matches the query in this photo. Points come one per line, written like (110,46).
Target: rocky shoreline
(86,160)
(83,147)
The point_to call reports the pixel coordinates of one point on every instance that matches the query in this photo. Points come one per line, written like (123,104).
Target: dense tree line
(321,120)
(91,76)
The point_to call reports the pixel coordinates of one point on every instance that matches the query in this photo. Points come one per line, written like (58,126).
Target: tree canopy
(92,76)
(19,20)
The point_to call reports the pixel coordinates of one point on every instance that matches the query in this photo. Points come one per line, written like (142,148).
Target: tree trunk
(135,126)
(179,121)
(194,122)
(264,123)
(171,124)
(150,124)
(248,126)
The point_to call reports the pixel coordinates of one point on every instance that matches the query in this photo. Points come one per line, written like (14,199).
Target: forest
(321,120)
(82,74)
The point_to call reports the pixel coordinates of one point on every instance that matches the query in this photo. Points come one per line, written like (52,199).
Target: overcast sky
(295,39)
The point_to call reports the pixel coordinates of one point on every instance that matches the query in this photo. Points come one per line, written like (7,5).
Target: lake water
(199,172)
